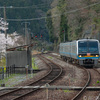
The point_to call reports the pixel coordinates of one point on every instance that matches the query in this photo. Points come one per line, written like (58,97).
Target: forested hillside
(77,18)
(26,9)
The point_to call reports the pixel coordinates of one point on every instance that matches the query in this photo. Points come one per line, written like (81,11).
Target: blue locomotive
(83,51)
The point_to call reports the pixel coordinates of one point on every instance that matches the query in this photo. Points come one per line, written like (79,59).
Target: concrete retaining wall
(19,58)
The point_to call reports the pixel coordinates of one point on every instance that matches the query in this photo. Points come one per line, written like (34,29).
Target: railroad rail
(54,72)
(81,93)
(87,83)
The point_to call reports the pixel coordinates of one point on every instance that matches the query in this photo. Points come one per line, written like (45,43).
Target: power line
(56,15)
(33,6)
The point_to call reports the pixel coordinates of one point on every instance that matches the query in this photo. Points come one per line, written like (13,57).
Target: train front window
(88,47)
(82,47)
(93,46)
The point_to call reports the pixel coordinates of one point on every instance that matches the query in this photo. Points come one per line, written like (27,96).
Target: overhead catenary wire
(56,15)
(33,6)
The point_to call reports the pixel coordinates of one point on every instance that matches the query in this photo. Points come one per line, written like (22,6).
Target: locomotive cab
(88,52)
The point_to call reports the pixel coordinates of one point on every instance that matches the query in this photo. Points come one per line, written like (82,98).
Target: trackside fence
(2,73)
(10,70)
(6,73)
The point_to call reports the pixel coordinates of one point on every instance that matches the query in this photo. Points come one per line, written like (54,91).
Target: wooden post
(31,72)
(26,71)
(2,73)
(6,71)
(69,81)
(3,83)
(69,78)
(14,69)
(10,70)
(47,91)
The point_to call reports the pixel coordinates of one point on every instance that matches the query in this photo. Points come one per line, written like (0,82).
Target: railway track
(87,83)
(84,87)
(90,78)
(54,72)
(89,94)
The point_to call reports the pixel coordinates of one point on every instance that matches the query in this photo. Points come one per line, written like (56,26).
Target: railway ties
(89,90)
(83,89)
(19,93)
(91,87)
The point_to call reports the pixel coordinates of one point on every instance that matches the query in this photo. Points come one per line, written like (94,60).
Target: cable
(34,6)
(72,11)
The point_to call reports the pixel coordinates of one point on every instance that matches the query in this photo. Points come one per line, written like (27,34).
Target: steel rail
(28,84)
(17,98)
(85,87)
(98,97)
(51,80)
(87,83)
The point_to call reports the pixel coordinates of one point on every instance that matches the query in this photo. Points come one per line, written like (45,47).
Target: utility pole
(5,33)
(3,83)
(27,42)
(5,29)
(26,33)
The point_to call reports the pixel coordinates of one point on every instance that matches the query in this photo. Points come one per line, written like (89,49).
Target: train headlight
(97,55)
(80,56)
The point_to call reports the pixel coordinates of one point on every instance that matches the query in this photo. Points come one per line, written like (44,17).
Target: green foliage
(61,5)
(15,79)
(98,81)
(93,84)
(63,28)
(50,57)
(63,24)
(50,27)
(67,91)
(97,22)
(6,79)
(74,23)
(78,31)
(38,10)
(34,66)
(96,8)
(49,47)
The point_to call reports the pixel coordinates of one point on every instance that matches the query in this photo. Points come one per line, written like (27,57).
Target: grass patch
(50,57)
(15,79)
(98,81)
(6,79)
(67,91)
(93,84)
(34,66)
